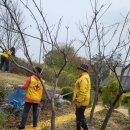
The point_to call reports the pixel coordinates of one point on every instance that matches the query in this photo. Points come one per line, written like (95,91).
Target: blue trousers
(27,107)
(80,118)
(5,63)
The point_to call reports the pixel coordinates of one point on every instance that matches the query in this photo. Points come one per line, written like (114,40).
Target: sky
(73,13)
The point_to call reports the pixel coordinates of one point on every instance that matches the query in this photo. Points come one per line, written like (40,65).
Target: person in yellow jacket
(5,56)
(81,96)
(33,95)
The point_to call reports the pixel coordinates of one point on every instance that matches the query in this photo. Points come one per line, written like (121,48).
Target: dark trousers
(80,118)
(4,61)
(27,107)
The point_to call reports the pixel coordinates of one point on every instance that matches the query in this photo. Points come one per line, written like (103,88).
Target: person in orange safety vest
(33,95)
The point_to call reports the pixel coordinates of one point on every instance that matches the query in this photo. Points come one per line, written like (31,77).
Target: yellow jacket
(7,53)
(81,92)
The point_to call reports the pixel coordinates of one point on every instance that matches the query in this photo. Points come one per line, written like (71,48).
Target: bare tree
(99,40)
(46,39)
(123,47)
(93,38)
(96,38)
(8,38)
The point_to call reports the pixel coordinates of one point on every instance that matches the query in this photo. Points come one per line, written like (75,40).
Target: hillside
(117,121)
(10,78)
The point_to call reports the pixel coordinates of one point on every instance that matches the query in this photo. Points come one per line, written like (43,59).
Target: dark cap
(38,69)
(83,67)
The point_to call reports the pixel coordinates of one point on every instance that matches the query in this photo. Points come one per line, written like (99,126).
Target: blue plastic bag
(17,98)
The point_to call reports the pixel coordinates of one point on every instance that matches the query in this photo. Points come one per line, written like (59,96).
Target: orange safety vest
(35,90)
(7,53)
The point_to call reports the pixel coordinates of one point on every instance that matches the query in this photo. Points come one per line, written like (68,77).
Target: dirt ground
(117,121)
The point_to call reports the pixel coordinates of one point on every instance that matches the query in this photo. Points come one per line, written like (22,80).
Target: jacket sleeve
(82,91)
(26,83)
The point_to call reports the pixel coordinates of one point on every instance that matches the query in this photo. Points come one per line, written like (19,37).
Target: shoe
(21,128)
(34,126)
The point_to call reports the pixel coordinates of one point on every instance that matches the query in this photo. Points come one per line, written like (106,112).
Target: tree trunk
(95,101)
(40,51)
(108,115)
(94,104)
(52,115)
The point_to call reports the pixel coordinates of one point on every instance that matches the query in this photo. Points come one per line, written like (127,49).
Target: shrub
(3,92)
(126,98)
(109,92)
(2,120)
(48,75)
(66,80)
(129,106)
(15,69)
(67,90)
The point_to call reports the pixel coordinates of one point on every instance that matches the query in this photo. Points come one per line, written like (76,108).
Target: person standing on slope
(33,95)
(5,57)
(81,96)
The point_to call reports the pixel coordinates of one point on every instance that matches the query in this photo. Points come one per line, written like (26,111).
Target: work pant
(4,61)
(27,107)
(80,118)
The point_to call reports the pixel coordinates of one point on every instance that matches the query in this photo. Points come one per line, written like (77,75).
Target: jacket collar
(83,73)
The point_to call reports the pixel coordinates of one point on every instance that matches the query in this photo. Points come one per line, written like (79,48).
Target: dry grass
(116,122)
(15,79)
(11,78)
